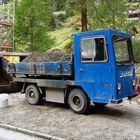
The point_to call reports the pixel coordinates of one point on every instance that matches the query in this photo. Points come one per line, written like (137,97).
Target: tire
(100,105)
(33,96)
(78,101)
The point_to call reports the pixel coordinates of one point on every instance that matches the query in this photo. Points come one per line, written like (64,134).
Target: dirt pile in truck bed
(52,56)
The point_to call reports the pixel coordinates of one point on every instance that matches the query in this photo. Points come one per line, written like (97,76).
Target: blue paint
(43,68)
(100,79)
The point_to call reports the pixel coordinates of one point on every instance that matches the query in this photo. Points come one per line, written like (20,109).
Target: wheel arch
(24,85)
(37,94)
(70,88)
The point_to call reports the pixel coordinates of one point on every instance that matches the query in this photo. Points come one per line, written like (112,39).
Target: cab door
(94,69)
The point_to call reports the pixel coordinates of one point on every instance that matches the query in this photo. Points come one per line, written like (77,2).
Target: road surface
(6,134)
(117,122)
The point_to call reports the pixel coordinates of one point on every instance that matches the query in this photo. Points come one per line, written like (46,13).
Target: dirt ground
(117,122)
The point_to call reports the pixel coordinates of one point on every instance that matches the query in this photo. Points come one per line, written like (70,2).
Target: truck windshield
(123,50)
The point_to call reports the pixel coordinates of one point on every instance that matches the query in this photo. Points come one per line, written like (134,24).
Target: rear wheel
(78,101)
(33,96)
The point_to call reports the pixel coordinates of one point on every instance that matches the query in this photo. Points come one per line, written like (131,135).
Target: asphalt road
(6,134)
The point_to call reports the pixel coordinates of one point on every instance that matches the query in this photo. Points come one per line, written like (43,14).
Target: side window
(93,50)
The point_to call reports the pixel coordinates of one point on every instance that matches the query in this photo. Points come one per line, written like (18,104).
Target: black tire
(78,101)
(100,105)
(33,96)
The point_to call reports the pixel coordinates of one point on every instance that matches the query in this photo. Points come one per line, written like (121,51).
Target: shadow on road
(93,110)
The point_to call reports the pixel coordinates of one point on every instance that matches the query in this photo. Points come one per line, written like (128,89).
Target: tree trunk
(31,48)
(83,16)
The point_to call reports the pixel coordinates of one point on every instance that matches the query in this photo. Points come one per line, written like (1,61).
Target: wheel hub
(76,100)
(32,94)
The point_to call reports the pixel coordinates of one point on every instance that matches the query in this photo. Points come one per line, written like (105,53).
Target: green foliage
(136,44)
(62,17)
(63,37)
(109,14)
(32,24)
(72,7)
(69,45)
(69,11)
(58,5)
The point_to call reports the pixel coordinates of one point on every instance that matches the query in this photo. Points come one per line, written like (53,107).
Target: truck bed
(42,68)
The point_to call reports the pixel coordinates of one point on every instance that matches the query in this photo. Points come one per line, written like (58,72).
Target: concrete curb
(31,133)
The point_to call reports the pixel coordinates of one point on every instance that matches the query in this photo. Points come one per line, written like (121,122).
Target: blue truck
(101,71)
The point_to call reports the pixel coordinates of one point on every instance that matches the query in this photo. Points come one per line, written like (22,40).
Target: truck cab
(104,65)
(101,72)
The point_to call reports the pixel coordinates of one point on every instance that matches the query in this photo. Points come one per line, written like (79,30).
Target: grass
(62,37)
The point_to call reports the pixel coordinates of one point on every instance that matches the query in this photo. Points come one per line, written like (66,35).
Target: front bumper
(133,96)
(121,100)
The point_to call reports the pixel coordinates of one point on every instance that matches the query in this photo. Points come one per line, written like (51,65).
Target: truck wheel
(100,105)
(78,101)
(33,95)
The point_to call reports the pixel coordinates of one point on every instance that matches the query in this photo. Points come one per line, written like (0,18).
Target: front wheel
(78,101)
(33,96)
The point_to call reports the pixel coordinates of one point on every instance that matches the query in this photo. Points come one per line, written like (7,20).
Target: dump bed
(42,68)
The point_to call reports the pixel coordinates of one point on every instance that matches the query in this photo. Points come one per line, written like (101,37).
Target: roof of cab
(112,31)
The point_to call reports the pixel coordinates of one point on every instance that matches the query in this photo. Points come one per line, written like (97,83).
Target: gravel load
(52,56)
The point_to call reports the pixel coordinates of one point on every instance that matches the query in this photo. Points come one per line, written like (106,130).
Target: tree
(109,14)
(32,24)
(84,19)
(78,7)
(136,50)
